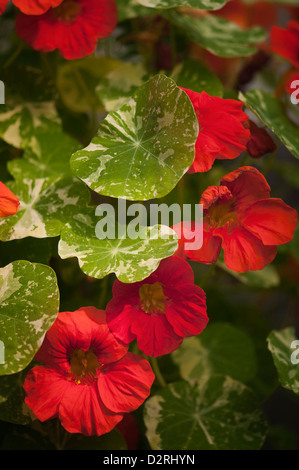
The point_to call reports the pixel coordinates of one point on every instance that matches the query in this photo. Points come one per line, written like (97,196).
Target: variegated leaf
(45,205)
(200,4)
(214,351)
(29,303)
(284,348)
(217,414)
(118,86)
(142,150)
(131,260)
(18,124)
(219,36)
(53,149)
(270,111)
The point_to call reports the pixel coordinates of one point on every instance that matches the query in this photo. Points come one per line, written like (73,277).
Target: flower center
(221,215)
(84,365)
(67,11)
(152,298)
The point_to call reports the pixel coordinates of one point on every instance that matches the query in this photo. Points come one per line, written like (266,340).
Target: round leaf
(45,205)
(29,299)
(220,349)
(131,260)
(142,150)
(218,414)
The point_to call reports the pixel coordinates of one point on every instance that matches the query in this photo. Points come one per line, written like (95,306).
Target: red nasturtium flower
(160,310)
(89,380)
(285,42)
(260,142)
(222,134)
(242,218)
(31,7)
(73,27)
(9,203)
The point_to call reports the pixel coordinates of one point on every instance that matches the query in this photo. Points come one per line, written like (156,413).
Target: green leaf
(19,124)
(217,414)
(219,36)
(53,149)
(270,111)
(45,205)
(12,406)
(118,86)
(195,76)
(284,348)
(142,150)
(130,9)
(77,80)
(200,4)
(130,260)
(265,278)
(220,349)
(29,299)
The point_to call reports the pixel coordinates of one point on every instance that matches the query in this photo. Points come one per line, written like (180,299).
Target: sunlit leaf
(29,303)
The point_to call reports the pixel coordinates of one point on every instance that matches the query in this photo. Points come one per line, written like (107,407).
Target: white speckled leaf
(217,414)
(219,36)
(19,124)
(130,260)
(215,351)
(51,157)
(142,150)
(77,79)
(195,76)
(201,4)
(282,350)
(45,205)
(29,303)
(118,86)
(130,9)
(270,111)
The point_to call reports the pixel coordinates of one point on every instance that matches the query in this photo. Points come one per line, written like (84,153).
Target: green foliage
(29,305)
(217,413)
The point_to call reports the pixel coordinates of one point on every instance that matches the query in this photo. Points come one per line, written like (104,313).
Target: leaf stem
(162,382)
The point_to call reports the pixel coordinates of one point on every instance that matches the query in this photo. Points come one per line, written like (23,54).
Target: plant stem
(162,382)
(14,56)
(209,273)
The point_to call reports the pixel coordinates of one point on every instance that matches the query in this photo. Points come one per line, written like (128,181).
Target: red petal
(44,388)
(82,411)
(188,311)
(82,329)
(36,7)
(210,250)
(245,252)
(285,42)
(9,203)
(125,385)
(74,40)
(3,5)
(247,186)
(271,220)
